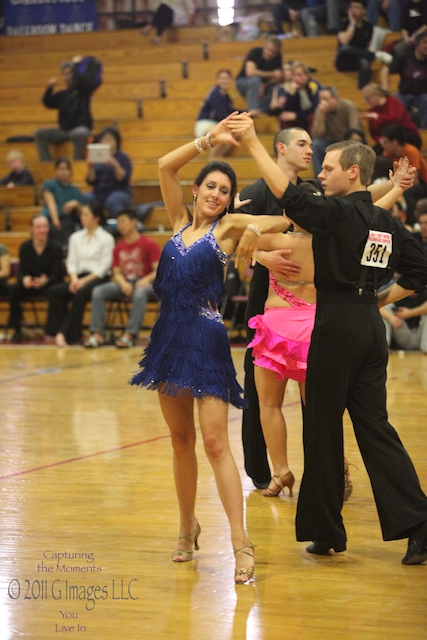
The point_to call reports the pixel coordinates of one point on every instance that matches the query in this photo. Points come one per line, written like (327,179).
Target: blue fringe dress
(189,346)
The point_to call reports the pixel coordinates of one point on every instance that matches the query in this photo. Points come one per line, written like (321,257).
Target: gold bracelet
(253,228)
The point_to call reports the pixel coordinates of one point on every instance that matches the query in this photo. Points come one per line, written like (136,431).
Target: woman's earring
(194,201)
(227,209)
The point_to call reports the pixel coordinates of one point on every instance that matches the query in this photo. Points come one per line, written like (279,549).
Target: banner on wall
(45,17)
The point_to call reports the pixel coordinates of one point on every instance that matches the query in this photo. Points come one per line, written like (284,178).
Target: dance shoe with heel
(323,548)
(244,574)
(179,555)
(278,484)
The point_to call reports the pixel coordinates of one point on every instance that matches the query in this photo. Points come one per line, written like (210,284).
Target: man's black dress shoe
(322,548)
(260,484)
(417,546)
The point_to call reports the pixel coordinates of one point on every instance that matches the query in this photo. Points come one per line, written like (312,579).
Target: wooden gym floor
(89,519)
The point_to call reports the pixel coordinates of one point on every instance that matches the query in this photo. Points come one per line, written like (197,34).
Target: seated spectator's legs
(140,297)
(334,10)
(72,326)
(393,12)
(58,295)
(79,137)
(280,15)
(309,18)
(18,293)
(319,148)
(45,137)
(116,202)
(249,89)
(162,19)
(388,329)
(355,59)
(102,294)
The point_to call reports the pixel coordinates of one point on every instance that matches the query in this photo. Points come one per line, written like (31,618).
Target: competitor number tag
(377,250)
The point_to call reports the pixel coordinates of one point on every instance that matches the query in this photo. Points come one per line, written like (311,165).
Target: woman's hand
(222,134)
(240,203)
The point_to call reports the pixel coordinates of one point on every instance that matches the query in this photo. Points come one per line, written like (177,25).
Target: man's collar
(359,195)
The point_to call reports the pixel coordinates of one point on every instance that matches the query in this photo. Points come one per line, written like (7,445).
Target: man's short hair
(130,213)
(419,37)
(285,136)
(353,152)
(394,132)
(333,92)
(66,65)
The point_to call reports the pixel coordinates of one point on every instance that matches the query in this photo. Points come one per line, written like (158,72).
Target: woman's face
(214,194)
(63,172)
(87,219)
(107,138)
(224,81)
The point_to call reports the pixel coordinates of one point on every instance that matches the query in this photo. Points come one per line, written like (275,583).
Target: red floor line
(78,458)
(98,453)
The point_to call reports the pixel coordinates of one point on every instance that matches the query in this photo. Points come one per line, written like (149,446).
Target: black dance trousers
(347,369)
(254,447)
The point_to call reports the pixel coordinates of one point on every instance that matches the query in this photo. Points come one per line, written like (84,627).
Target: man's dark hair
(130,213)
(394,132)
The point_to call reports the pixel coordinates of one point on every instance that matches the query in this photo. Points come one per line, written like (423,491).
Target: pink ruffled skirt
(282,340)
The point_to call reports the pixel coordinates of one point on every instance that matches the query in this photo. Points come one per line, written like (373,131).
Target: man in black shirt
(40,266)
(356,246)
(261,70)
(353,45)
(74,115)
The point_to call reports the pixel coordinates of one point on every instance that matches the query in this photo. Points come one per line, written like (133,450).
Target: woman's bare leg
(271,392)
(178,413)
(213,414)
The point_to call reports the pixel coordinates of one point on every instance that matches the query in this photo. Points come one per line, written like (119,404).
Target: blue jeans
(249,89)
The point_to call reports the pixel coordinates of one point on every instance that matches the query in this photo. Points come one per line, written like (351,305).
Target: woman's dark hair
(112,132)
(227,170)
(63,161)
(358,132)
(97,212)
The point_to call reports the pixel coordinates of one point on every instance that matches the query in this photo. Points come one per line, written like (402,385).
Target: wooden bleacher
(132,71)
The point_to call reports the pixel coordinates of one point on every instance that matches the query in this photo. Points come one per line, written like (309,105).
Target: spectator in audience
(261,70)
(90,253)
(300,103)
(216,106)
(413,22)
(286,87)
(4,269)
(169,13)
(406,322)
(111,179)
(333,117)
(74,114)
(392,9)
(357,135)
(135,260)
(395,147)
(393,142)
(40,269)
(19,175)
(421,218)
(412,68)
(62,202)
(353,45)
(385,110)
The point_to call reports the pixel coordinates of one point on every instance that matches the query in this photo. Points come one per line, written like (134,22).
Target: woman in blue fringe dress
(188,356)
